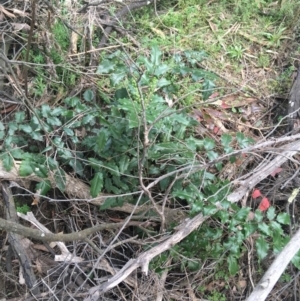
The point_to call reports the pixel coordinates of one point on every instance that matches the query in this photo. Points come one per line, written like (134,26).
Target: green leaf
(296,260)
(17,153)
(101,140)
(161,70)
(249,229)
(117,77)
(2,127)
(258,216)
(264,228)
(243,141)
(44,187)
(96,184)
(109,203)
(72,101)
(112,168)
(60,179)
(193,265)
(12,127)
(25,128)
(208,87)
(68,132)
(37,136)
(226,139)
(276,227)
(46,111)
(197,75)
(212,155)
(232,265)
(7,161)
(88,95)
(58,111)
(271,213)
(54,121)
(242,214)
(19,117)
(283,218)
(2,135)
(77,166)
(41,171)
(162,83)
(208,144)
(262,247)
(209,210)
(106,66)
(90,118)
(123,163)
(155,55)
(26,168)
(132,108)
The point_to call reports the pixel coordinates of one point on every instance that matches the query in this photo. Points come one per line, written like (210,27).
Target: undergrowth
(146,126)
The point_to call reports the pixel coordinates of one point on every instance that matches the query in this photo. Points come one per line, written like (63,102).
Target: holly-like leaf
(88,95)
(60,179)
(7,161)
(232,265)
(43,187)
(106,66)
(283,218)
(226,139)
(271,213)
(96,184)
(208,144)
(263,227)
(26,168)
(262,247)
(25,128)
(19,116)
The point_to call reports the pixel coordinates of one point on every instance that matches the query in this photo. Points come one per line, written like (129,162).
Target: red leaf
(264,204)
(256,193)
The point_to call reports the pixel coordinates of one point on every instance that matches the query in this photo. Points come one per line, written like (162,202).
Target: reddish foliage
(256,193)
(264,204)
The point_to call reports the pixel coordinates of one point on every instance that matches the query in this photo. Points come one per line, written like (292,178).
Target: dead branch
(144,259)
(267,282)
(264,170)
(15,241)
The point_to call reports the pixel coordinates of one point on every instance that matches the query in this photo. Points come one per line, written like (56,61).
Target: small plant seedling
(236,51)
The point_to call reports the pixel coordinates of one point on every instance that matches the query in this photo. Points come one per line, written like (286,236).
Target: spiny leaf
(96,184)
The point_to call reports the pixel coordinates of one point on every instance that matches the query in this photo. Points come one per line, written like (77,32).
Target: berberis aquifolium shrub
(105,143)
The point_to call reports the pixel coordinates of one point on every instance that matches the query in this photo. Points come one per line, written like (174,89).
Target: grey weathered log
(265,285)
(294,105)
(14,240)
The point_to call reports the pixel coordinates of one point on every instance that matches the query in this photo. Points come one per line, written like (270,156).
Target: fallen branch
(267,282)
(144,259)
(16,228)
(264,171)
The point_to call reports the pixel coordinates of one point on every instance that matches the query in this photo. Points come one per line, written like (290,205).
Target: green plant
(236,52)
(23,209)
(216,296)
(142,135)
(276,37)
